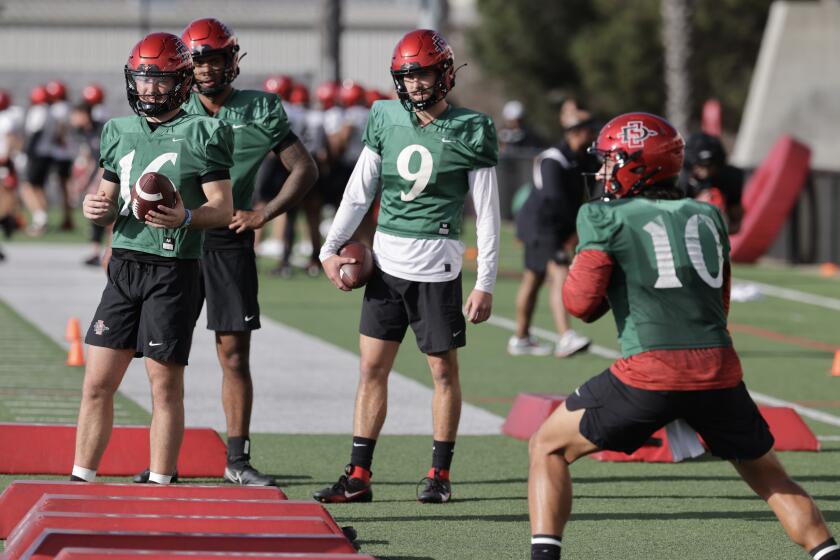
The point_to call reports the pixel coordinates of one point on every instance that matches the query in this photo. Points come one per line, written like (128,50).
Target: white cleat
(571,343)
(527,346)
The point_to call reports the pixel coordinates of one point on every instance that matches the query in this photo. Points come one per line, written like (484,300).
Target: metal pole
(676,39)
(331,40)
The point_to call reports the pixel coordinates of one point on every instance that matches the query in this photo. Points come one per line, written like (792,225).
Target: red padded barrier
(111,554)
(528,412)
(203,453)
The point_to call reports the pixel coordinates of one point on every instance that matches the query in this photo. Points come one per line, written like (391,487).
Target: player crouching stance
(152,298)
(428,155)
(661,262)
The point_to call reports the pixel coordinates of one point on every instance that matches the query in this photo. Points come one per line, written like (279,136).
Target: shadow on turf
(830,516)
(815,354)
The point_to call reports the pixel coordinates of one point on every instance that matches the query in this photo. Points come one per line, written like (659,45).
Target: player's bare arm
(302,175)
(218,210)
(101,207)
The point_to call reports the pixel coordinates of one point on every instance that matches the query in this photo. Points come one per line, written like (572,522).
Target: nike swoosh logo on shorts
(249,317)
(456,334)
(155,343)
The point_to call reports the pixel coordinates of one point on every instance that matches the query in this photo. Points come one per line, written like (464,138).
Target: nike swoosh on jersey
(237,125)
(155,343)
(177,139)
(447,141)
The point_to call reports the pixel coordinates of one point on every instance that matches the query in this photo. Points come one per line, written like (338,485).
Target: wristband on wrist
(187,218)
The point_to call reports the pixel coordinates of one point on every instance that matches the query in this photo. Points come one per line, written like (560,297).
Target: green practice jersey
(259,123)
(666,290)
(184,149)
(424,169)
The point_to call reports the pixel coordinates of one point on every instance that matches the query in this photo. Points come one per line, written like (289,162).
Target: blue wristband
(187,218)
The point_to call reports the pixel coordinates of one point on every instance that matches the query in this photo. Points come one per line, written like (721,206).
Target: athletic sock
(82,474)
(546,547)
(361,473)
(442,454)
(829,550)
(238,450)
(157,478)
(362,453)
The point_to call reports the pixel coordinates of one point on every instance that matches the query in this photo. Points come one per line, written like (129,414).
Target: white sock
(87,475)
(39,218)
(159,478)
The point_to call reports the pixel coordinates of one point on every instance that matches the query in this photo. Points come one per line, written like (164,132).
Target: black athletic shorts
(541,250)
(151,307)
(433,309)
(622,418)
(37,169)
(230,289)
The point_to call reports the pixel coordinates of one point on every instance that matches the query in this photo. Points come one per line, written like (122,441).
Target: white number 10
(667,273)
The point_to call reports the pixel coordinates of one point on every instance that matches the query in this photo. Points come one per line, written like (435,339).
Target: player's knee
(237,363)
(373,371)
(167,391)
(444,376)
(98,390)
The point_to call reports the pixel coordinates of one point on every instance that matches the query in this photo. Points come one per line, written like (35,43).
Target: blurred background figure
(514,133)
(56,143)
(37,160)
(707,176)
(11,127)
(546,226)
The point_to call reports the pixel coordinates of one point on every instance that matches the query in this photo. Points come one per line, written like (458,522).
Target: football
(150,190)
(356,275)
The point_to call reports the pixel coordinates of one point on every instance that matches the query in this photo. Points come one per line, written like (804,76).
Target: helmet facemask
(229,74)
(156,103)
(444,82)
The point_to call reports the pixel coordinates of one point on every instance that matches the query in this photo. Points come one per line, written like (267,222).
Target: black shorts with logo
(622,418)
(433,309)
(230,285)
(150,304)
(543,249)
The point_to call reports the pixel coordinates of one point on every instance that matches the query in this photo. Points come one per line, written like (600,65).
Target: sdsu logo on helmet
(635,134)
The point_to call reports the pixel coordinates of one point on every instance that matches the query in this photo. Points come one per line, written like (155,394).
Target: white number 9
(421,176)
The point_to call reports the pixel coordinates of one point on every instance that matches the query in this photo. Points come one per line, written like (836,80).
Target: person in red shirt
(660,262)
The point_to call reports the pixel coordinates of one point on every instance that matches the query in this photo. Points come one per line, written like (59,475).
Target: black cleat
(143,477)
(347,489)
(434,489)
(246,475)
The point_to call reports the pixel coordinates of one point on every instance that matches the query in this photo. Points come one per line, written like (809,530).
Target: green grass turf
(698,510)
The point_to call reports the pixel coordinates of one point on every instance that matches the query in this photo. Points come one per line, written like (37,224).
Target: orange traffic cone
(76,355)
(835,367)
(74,331)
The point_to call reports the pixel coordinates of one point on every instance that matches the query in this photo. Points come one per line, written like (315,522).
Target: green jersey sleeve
(275,123)
(485,145)
(108,142)
(218,151)
(371,137)
(596,227)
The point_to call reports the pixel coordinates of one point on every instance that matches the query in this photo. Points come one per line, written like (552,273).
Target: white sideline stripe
(797,296)
(610,354)
(828,438)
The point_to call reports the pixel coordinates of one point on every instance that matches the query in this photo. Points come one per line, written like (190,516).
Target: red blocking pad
(178,506)
(789,430)
(112,554)
(528,412)
(25,535)
(203,453)
(52,541)
(656,450)
(21,495)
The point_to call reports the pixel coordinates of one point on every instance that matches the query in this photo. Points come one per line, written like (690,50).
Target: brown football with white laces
(150,190)
(357,274)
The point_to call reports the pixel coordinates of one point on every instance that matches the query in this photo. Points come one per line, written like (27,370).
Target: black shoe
(92,261)
(434,489)
(246,475)
(143,477)
(347,489)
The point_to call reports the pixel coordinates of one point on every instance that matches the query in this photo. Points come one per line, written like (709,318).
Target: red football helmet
(279,85)
(327,94)
(299,95)
(39,95)
(352,94)
(644,148)
(5,99)
(56,90)
(423,49)
(373,95)
(158,56)
(93,94)
(210,36)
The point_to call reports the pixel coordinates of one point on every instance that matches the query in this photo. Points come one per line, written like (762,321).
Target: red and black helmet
(351,94)
(373,95)
(327,94)
(159,55)
(39,95)
(299,95)
(93,94)
(279,85)
(208,36)
(423,49)
(5,99)
(645,149)
(56,90)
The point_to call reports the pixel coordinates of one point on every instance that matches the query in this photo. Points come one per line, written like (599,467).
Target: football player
(228,263)
(153,295)
(661,263)
(428,155)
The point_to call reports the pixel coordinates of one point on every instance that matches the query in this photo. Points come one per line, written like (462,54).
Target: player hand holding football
(165,217)
(332,268)
(99,208)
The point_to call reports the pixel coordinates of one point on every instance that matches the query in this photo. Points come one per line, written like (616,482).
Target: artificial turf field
(694,510)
